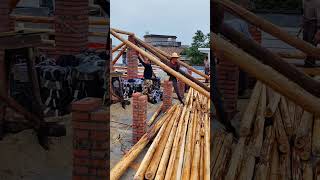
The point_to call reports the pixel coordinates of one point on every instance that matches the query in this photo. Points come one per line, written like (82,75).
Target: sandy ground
(23,158)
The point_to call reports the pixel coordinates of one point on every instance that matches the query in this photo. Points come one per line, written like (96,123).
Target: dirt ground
(23,158)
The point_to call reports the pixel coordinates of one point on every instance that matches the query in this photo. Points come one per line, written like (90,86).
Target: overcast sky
(170,17)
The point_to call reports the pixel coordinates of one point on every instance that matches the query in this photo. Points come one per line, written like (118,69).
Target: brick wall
(5,26)
(71,26)
(228,79)
(139,116)
(90,140)
(167,95)
(132,68)
(257,36)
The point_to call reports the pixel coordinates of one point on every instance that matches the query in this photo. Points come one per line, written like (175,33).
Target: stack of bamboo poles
(278,140)
(181,147)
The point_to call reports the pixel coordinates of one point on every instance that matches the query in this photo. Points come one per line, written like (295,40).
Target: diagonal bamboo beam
(162,65)
(164,54)
(122,32)
(119,55)
(276,62)
(117,47)
(167,61)
(269,27)
(266,74)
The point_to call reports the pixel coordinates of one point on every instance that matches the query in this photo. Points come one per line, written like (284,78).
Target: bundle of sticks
(278,140)
(181,147)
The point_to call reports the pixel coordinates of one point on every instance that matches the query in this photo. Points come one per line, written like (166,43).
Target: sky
(181,18)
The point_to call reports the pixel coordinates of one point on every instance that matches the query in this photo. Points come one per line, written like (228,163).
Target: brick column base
(167,95)
(228,78)
(132,68)
(90,140)
(257,36)
(139,116)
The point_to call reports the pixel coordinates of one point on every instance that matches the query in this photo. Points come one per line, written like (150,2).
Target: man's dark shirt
(175,67)
(147,74)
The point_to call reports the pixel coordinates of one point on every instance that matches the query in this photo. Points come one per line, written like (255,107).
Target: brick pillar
(132,68)
(257,36)
(167,95)
(71,26)
(182,88)
(228,79)
(139,116)
(90,140)
(5,26)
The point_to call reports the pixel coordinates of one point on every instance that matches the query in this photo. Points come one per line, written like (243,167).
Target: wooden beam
(50,20)
(167,61)
(117,47)
(267,75)
(292,55)
(273,60)
(122,32)
(180,62)
(269,28)
(119,55)
(162,65)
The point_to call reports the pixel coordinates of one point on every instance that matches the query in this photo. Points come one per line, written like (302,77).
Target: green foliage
(200,40)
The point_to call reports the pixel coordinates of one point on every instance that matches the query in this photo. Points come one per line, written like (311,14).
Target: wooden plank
(266,74)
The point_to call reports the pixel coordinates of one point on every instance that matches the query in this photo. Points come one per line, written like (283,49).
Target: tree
(200,40)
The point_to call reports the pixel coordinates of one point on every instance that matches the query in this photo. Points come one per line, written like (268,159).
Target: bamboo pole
(166,61)
(155,115)
(167,56)
(119,55)
(154,163)
(117,47)
(162,65)
(188,151)
(266,74)
(283,106)
(303,130)
(258,129)
(180,154)
(307,171)
(281,136)
(195,171)
(207,148)
(269,28)
(316,137)
(292,55)
(273,60)
(236,159)
(166,153)
(274,99)
(175,146)
(118,170)
(274,166)
(249,114)
(147,158)
(122,32)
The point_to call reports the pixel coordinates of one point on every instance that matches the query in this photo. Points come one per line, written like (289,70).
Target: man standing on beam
(175,66)
(311,26)
(148,74)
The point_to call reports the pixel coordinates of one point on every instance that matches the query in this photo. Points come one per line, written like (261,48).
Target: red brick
(103,135)
(99,115)
(78,177)
(86,104)
(80,116)
(90,126)
(80,153)
(82,134)
(79,170)
(81,162)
